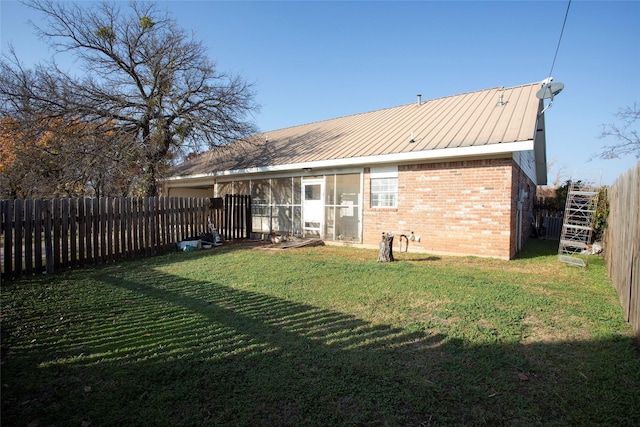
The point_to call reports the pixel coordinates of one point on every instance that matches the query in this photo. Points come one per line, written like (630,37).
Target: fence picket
(153,226)
(37,234)
(162,214)
(81,233)
(181,220)
(48,237)
(146,235)
(87,230)
(73,233)
(140,222)
(28,237)
(134,227)
(64,239)
(7,232)
(57,232)
(128,220)
(17,237)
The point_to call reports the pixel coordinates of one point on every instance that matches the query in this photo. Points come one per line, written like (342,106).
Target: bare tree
(625,133)
(145,80)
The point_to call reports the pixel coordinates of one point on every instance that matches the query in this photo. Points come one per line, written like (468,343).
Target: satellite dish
(550,90)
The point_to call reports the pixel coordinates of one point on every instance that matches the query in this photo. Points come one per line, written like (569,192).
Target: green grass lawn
(320,336)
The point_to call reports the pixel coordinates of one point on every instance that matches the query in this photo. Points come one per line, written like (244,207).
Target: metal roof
(476,119)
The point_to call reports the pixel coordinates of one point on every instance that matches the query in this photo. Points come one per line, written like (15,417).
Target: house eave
(427,155)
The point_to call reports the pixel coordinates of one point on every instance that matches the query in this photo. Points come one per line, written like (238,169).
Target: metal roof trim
(443,153)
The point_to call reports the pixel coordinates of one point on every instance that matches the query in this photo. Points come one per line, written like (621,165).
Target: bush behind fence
(49,235)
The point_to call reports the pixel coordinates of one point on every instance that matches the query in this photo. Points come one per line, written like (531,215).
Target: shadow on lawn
(172,351)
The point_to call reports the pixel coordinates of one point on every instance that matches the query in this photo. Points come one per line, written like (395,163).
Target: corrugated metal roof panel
(464,120)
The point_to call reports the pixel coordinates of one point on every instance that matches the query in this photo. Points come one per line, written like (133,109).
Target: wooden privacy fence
(41,236)
(622,243)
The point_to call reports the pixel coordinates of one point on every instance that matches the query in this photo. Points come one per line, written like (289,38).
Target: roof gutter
(444,153)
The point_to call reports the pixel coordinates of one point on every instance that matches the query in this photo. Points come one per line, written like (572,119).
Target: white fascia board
(444,153)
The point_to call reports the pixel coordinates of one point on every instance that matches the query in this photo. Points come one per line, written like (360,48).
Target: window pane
(312,191)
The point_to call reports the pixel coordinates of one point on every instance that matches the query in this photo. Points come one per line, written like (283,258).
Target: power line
(560,39)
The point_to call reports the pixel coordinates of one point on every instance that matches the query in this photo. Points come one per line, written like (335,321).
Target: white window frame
(387,197)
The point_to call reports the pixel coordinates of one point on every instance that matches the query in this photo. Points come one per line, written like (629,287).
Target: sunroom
(326,206)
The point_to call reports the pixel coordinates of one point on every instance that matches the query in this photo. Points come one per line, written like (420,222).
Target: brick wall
(463,207)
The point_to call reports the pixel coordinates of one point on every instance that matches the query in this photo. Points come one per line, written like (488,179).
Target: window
(384,187)
(384,192)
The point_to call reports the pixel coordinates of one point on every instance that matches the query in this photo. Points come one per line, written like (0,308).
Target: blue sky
(319,60)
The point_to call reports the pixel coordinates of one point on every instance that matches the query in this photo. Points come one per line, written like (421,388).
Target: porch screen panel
(282,219)
(297,191)
(345,212)
(281,190)
(330,223)
(261,208)
(224,188)
(260,190)
(282,201)
(241,187)
(296,186)
(297,220)
(330,190)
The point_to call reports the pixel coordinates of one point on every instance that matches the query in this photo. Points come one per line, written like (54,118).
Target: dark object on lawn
(210,239)
(386,248)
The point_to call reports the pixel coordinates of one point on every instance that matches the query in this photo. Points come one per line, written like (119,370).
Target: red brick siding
(464,207)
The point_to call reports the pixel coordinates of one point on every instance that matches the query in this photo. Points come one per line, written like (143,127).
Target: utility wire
(559,39)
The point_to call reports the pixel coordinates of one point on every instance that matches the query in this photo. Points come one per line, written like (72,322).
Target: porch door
(313,208)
